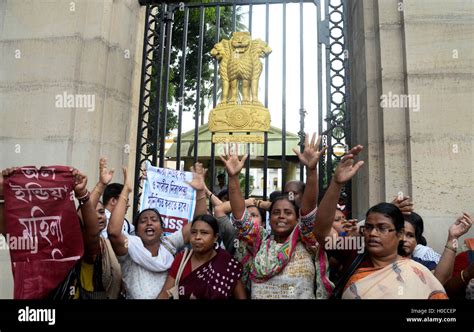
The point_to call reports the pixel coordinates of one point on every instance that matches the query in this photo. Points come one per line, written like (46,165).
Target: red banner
(43,230)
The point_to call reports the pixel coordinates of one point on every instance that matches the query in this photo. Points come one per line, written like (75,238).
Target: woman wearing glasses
(379,272)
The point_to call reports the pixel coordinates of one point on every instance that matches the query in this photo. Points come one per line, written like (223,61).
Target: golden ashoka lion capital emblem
(239,118)
(240,110)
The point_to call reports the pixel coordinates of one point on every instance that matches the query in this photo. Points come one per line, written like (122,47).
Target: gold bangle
(462,277)
(446,246)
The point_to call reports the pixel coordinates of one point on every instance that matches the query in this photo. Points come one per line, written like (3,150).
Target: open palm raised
(106,174)
(199,174)
(461,226)
(346,168)
(311,153)
(232,163)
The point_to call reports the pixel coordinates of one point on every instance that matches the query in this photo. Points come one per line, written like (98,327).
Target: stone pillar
(364,61)
(419,54)
(78,49)
(439,44)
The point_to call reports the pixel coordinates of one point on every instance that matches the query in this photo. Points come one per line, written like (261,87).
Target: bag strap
(187,255)
(337,293)
(167,246)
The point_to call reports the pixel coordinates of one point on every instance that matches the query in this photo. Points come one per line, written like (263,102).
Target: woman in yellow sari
(378,273)
(383,274)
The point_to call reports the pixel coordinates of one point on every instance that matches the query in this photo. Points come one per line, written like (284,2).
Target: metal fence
(166,54)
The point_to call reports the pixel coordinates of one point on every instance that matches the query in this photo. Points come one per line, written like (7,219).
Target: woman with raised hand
(414,235)
(145,257)
(285,264)
(379,272)
(99,274)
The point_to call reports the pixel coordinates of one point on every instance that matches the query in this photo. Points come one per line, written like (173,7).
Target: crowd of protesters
(289,247)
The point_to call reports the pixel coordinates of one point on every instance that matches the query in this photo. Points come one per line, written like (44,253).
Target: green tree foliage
(192,61)
(192,54)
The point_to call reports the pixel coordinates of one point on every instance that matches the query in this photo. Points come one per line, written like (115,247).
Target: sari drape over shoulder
(403,279)
(215,279)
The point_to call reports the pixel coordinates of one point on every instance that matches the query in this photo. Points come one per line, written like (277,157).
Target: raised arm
(444,269)
(227,231)
(327,208)
(212,198)
(116,237)
(310,158)
(225,208)
(105,177)
(233,167)
(404,203)
(91,231)
(198,184)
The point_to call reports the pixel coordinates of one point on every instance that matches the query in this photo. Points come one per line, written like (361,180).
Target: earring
(216,245)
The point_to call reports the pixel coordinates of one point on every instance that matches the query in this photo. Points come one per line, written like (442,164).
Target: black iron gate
(171,51)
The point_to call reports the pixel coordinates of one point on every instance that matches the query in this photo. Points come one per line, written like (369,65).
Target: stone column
(57,55)
(366,118)
(51,49)
(439,44)
(418,56)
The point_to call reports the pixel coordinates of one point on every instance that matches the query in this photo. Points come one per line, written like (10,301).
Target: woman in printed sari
(285,264)
(210,272)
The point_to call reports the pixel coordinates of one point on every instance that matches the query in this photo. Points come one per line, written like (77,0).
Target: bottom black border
(367,314)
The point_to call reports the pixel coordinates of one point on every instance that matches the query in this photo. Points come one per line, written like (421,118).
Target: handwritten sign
(167,191)
(40,214)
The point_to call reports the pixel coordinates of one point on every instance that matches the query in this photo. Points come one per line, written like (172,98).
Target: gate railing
(333,116)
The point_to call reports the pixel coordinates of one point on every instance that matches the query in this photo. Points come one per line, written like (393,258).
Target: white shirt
(126,226)
(218,189)
(142,283)
(426,253)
